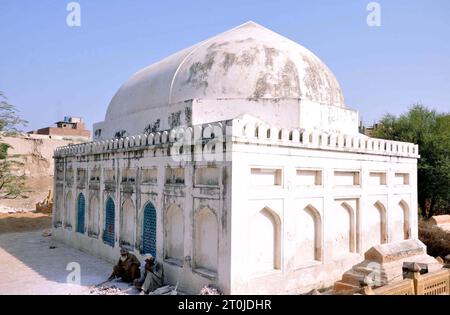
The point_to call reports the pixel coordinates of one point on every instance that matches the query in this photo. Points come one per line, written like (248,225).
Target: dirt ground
(24,221)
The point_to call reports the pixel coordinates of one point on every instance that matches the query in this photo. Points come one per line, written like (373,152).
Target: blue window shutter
(149,230)
(108,233)
(81,205)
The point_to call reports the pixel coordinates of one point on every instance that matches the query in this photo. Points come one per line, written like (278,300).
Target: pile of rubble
(210,290)
(106,290)
(165,290)
(46,205)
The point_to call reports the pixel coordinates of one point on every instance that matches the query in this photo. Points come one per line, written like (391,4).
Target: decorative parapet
(252,132)
(245,131)
(176,137)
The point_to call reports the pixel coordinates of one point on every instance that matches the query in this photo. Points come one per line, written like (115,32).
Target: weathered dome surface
(247,62)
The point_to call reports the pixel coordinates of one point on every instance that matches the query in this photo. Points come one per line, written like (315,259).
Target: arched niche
(68,208)
(174,233)
(93,220)
(308,236)
(376,228)
(127,223)
(265,241)
(206,241)
(400,222)
(58,209)
(344,227)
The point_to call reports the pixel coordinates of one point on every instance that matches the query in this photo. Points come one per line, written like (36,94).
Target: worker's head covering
(148,257)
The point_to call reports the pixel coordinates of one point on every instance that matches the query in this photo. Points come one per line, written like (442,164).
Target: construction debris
(106,290)
(314,292)
(210,290)
(46,206)
(47,233)
(165,290)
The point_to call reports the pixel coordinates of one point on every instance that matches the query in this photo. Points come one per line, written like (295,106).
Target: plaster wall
(326,223)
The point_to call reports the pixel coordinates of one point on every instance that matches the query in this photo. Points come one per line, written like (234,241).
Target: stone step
(353,278)
(341,287)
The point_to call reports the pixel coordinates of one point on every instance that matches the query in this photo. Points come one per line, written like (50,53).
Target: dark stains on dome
(198,72)
(270,54)
(313,79)
(216,45)
(228,60)
(284,84)
(249,39)
(248,56)
(290,83)
(321,87)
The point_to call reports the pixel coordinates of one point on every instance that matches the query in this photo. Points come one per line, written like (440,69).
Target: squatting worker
(149,280)
(127,267)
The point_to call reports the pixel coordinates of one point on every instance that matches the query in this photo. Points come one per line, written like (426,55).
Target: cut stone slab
(440,219)
(383,264)
(390,252)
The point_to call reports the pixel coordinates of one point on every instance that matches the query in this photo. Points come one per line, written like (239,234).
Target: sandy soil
(24,221)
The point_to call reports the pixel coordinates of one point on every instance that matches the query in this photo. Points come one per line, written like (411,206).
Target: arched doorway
(149,230)
(81,210)
(108,233)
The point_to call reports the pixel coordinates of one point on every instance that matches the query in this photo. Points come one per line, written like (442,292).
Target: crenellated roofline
(243,130)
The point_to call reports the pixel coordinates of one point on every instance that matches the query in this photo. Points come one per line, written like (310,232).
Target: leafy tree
(431,131)
(12,183)
(9,117)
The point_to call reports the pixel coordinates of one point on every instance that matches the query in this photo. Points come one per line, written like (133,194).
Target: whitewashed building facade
(235,162)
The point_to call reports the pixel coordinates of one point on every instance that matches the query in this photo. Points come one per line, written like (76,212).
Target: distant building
(369,130)
(70,127)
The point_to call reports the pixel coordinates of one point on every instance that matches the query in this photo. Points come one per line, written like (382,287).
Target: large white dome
(248,62)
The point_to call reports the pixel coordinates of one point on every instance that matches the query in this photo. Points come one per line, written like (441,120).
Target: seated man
(150,280)
(127,267)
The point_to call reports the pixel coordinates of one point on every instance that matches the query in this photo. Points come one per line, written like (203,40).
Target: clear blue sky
(49,70)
